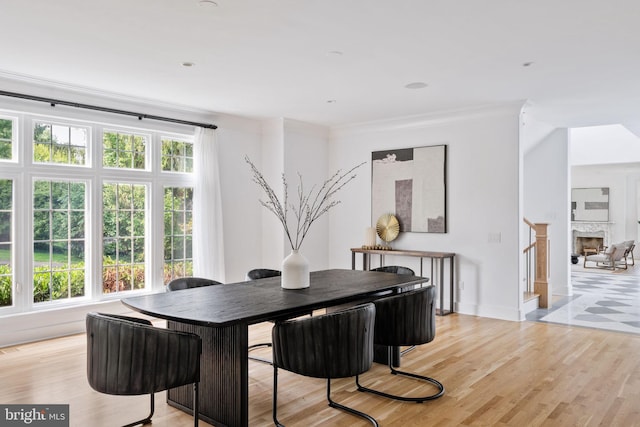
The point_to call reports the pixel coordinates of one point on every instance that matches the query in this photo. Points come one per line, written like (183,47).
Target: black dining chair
(397,269)
(406,319)
(129,356)
(256,274)
(261,273)
(190,282)
(333,345)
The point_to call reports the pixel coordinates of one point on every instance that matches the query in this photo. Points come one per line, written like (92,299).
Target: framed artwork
(411,184)
(590,204)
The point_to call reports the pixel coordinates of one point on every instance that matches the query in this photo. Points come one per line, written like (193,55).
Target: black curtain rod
(140,116)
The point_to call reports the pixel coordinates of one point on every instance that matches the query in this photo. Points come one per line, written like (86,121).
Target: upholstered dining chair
(255,274)
(129,356)
(406,319)
(333,345)
(397,269)
(189,282)
(261,273)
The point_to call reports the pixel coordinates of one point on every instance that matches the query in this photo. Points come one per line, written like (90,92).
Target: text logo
(34,415)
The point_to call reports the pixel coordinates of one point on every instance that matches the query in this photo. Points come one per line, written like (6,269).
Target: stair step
(531,302)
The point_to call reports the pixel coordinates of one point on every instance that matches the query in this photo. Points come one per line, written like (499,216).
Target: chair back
(397,269)
(190,282)
(407,318)
(619,252)
(128,356)
(261,273)
(334,345)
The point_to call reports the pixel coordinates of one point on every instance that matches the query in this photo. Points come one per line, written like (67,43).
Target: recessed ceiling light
(207,3)
(416,85)
(188,64)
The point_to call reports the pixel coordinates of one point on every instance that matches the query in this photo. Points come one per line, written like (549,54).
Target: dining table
(221,316)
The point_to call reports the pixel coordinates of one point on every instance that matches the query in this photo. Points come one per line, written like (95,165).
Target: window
(58,240)
(177,156)
(124,237)
(6,138)
(55,143)
(124,150)
(6,213)
(178,224)
(76,222)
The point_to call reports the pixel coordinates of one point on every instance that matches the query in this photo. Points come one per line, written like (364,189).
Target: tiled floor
(601,300)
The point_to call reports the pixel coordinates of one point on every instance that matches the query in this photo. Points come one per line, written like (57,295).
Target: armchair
(334,345)
(614,256)
(129,356)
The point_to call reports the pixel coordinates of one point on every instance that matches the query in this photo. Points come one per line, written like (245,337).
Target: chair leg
(196,404)
(331,402)
(275,397)
(260,359)
(421,399)
(146,420)
(407,350)
(346,408)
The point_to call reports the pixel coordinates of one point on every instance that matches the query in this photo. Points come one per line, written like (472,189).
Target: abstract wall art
(411,183)
(590,204)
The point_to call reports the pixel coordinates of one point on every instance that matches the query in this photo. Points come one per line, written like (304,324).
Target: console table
(439,256)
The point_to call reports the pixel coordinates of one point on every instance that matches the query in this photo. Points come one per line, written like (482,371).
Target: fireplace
(589,235)
(583,243)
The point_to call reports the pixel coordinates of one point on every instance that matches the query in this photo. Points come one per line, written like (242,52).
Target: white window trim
(23,170)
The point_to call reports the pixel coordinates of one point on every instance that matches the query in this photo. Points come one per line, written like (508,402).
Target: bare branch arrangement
(310,206)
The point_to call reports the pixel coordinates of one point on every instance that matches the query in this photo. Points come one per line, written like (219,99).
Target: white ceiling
(275,58)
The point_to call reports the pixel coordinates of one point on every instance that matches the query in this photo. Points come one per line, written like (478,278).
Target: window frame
(87,238)
(69,123)
(23,170)
(15,137)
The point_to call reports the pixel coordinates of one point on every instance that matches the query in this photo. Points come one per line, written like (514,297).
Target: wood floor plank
(496,373)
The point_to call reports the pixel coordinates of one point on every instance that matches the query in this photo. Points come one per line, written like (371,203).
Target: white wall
(306,153)
(271,164)
(241,214)
(483,187)
(603,145)
(547,196)
(291,147)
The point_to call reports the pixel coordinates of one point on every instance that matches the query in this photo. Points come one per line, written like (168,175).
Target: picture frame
(590,204)
(411,184)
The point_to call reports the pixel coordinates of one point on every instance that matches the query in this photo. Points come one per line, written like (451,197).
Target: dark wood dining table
(221,316)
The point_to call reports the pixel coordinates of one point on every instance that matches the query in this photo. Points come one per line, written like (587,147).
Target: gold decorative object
(388,227)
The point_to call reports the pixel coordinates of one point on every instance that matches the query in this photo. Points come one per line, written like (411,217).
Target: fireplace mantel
(591,229)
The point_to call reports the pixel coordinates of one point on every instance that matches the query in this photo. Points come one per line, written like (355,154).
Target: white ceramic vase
(295,271)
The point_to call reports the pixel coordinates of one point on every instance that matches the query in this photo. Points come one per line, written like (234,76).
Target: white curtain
(208,237)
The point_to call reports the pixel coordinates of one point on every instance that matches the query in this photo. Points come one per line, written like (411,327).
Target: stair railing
(536,256)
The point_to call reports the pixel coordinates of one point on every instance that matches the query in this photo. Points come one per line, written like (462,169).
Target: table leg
(441,283)
(224,375)
(451,284)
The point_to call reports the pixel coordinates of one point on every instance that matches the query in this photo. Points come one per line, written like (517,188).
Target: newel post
(541,284)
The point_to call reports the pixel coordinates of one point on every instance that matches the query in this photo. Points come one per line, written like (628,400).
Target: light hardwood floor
(496,373)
